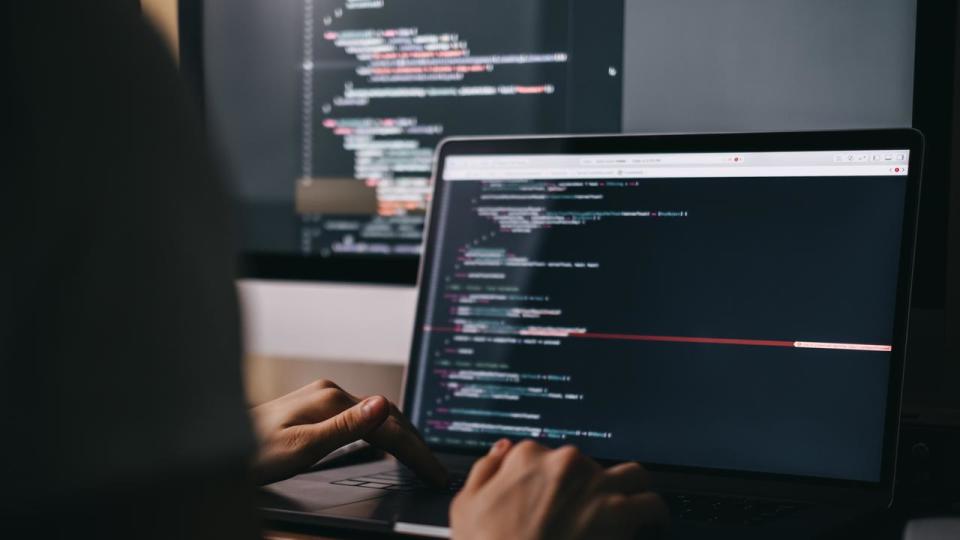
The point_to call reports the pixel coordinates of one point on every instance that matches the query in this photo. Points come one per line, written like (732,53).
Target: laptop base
(341,498)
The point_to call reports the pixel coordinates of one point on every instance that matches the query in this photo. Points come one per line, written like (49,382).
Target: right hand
(528,492)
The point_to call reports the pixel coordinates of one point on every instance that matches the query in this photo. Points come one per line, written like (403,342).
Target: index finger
(484,468)
(404,443)
(628,477)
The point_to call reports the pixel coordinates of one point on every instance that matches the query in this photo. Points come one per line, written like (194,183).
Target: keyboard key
(347,483)
(376,485)
(399,480)
(374,479)
(385,478)
(403,487)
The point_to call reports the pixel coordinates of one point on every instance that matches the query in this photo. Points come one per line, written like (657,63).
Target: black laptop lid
(706,302)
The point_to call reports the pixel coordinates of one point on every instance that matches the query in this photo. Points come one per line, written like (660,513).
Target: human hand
(298,429)
(526,491)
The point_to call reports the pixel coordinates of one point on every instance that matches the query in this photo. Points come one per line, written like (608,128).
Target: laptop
(729,310)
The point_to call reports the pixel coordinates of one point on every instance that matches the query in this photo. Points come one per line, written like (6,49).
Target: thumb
(348,426)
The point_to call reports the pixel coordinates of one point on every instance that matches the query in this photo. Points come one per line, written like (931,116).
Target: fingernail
(499,446)
(369,405)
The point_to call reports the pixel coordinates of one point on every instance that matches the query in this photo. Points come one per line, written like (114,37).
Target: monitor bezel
(727,142)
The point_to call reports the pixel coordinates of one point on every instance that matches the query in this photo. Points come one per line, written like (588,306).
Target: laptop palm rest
(314,491)
(421,508)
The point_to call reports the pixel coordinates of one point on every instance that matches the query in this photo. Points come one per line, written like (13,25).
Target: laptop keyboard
(398,480)
(727,509)
(695,507)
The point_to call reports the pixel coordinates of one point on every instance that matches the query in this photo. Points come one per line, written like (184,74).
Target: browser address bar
(527,173)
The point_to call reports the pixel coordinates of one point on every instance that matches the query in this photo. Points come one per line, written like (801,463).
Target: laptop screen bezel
(889,139)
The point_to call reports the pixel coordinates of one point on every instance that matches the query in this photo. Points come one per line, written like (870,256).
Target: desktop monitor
(327,113)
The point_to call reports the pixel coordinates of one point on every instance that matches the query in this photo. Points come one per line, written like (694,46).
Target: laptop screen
(728,310)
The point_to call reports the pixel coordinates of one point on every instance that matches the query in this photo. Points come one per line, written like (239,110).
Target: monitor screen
(728,310)
(327,111)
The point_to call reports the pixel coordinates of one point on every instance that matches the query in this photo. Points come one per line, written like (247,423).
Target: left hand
(298,429)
